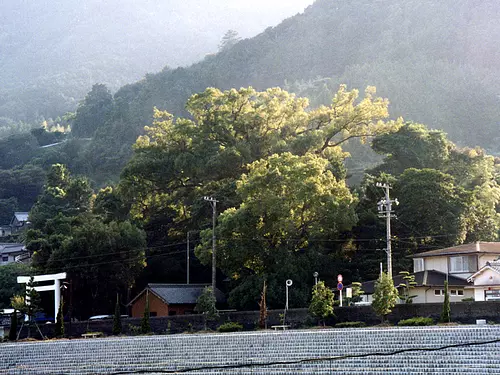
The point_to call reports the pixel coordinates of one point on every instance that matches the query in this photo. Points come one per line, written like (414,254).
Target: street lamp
(213,203)
(288,284)
(315,274)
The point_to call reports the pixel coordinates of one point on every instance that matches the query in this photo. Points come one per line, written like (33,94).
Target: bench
(91,335)
(283,327)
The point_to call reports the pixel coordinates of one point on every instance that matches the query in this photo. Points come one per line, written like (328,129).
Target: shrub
(134,330)
(350,325)
(468,299)
(418,321)
(230,327)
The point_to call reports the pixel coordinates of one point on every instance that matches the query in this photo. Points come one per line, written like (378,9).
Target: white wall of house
(484,258)
(487,277)
(436,263)
(6,259)
(479,294)
(436,294)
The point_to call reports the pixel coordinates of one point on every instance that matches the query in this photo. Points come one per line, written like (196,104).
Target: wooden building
(170,299)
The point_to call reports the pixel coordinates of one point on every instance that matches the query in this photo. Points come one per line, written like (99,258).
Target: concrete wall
(461,312)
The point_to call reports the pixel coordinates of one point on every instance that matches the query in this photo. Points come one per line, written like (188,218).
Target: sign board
(348,292)
(340,286)
(340,278)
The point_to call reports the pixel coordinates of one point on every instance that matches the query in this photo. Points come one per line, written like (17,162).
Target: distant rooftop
(174,294)
(21,216)
(10,248)
(423,278)
(470,248)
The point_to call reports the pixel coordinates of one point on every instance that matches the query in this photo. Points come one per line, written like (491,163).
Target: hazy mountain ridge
(51,52)
(434,60)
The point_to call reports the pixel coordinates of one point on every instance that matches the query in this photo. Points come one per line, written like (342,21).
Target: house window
(153,313)
(5,258)
(418,264)
(456,292)
(463,264)
(439,292)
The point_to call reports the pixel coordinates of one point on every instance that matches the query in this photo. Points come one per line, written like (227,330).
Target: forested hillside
(435,60)
(275,161)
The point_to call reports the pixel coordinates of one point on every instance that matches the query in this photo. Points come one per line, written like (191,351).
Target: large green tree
(289,204)
(180,160)
(93,112)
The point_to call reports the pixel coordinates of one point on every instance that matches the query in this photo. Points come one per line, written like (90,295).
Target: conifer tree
(263,307)
(117,321)
(13,326)
(145,324)
(446,313)
(59,328)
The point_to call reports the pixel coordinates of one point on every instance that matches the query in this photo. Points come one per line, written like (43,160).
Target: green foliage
(206,304)
(464,182)
(8,282)
(357,292)
(59,326)
(442,212)
(385,296)
(93,111)
(134,330)
(117,318)
(230,327)
(263,307)
(350,325)
(32,301)
(229,39)
(322,301)
(406,286)
(145,324)
(102,257)
(468,299)
(446,313)
(417,321)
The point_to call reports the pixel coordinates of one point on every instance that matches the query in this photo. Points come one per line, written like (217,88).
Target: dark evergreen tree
(59,327)
(13,326)
(145,324)
(117,320)
(446,313)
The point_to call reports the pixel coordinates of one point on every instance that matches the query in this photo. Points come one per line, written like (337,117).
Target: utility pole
(213,203)
(188,249)
(385,211)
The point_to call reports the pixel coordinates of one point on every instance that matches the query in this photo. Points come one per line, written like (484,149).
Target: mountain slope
(435,60)
(52,52)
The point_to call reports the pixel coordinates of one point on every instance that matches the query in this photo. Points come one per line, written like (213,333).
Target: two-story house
(472,271)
